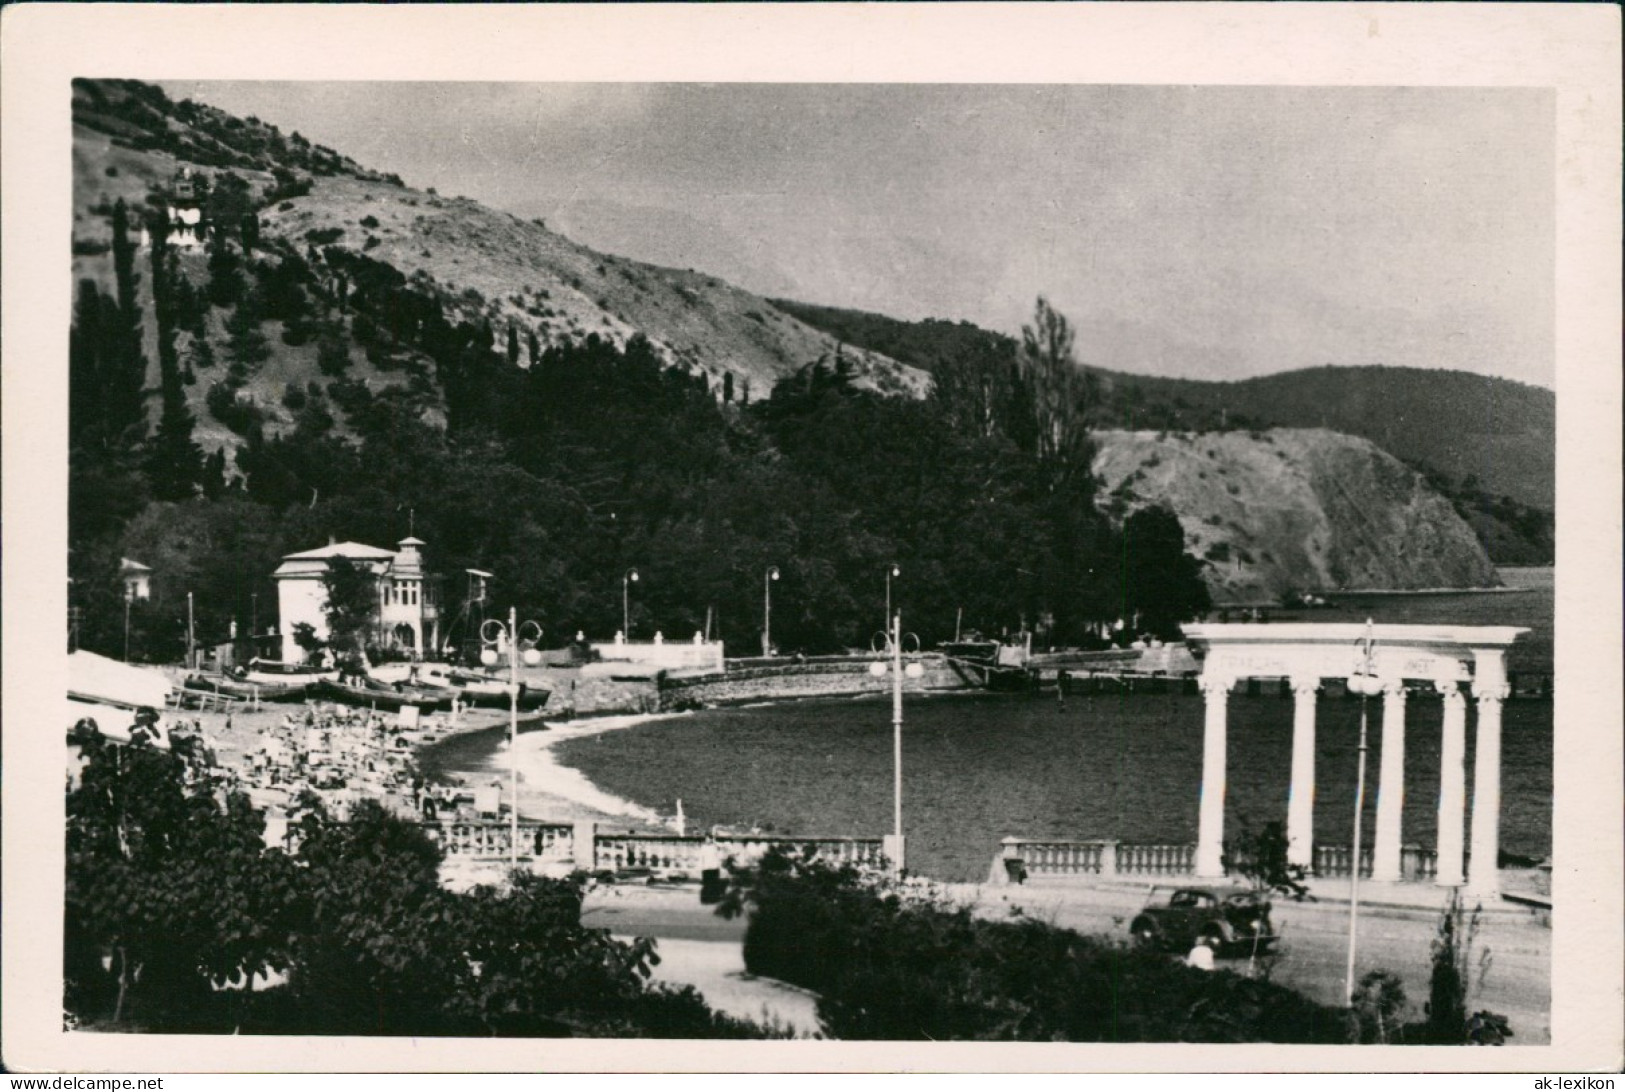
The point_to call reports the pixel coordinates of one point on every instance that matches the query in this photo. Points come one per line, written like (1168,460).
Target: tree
(1047,363)
(332,355)
(247,345)
(513,345)
(1378,1005)
(124,364)
(176,888)
(352,604)
(225,272)
(174,461)
(1160,581)
(1261,859)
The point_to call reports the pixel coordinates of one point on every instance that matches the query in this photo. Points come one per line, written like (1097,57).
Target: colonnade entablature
(1455,660)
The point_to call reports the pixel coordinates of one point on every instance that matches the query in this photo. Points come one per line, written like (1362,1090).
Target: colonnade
(1454,661)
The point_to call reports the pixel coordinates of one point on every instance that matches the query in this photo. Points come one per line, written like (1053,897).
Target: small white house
(408,610)
(137,579)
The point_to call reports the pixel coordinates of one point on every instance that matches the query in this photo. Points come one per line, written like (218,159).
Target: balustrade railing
(1156,860)
(539,841)
(549,842)
(1031,857)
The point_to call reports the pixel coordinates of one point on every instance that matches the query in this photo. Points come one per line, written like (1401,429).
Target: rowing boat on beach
(383,695)
(248,689)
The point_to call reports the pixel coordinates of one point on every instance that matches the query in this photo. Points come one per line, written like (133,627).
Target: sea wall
(828,678)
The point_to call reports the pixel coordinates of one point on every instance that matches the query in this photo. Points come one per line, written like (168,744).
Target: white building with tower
(407,616)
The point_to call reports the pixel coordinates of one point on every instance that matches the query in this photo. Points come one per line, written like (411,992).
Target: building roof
(411,541)
(355,551)
(125,565)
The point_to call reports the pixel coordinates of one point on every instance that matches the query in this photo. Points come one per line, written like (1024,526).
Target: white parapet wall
(695,655)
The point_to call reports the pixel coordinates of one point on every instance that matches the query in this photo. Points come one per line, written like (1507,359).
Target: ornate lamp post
(1365,683)
(771,575)
(894,646)
(891,571)
(519,641)
(627,580)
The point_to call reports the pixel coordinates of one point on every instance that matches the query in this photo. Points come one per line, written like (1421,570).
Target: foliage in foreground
(172,896)
(894,962)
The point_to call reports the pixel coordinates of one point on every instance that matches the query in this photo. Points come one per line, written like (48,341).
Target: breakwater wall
(822,677)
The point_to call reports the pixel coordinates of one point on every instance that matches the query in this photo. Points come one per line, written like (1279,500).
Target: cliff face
(1293,510)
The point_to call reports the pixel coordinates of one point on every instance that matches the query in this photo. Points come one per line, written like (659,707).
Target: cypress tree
(225,272)
(535,350)
(87,405)
(174,462)
(123,365)
(513,345)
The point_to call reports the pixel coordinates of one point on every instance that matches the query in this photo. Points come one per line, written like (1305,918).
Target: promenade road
(703,950)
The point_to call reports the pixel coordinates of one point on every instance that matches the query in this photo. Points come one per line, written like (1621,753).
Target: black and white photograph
(1002,555)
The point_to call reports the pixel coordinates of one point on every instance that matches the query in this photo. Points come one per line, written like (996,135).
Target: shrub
(239,416)
(894,961)
(324,236)
(294,397)
(369,221)
(181,889)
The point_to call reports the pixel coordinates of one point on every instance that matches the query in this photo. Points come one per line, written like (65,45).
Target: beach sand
(548,791)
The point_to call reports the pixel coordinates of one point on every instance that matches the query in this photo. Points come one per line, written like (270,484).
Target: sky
(1208,232)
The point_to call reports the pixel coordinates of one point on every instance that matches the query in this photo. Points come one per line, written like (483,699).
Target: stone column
(1300,801)
(1485,858)
(1452,785)
(1210,817)
(1391,784)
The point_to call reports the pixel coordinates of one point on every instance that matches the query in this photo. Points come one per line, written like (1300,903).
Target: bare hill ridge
(517,273)
(130,140)
(1303,510)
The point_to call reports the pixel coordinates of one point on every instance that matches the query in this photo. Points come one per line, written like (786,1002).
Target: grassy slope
(517,272)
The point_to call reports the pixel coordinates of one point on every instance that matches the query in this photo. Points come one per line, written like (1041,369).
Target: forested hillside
(304,375)
(1487,444)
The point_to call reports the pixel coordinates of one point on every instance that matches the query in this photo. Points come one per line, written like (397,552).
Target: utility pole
(191,640)
(513,739)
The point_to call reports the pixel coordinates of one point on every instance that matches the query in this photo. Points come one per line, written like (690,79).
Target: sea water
(979,767)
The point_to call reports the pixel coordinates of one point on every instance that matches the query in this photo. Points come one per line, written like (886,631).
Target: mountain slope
(482,266)
(1294,510)
(1481,433)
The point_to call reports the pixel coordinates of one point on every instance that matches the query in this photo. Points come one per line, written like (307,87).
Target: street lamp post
(1364,683)
(891,571)
(771,575)
(894,641)
(627,580)
(493,634)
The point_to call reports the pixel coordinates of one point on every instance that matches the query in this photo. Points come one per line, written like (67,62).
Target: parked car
(1221,917)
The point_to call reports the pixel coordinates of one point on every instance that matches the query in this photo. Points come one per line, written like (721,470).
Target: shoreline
(549,790)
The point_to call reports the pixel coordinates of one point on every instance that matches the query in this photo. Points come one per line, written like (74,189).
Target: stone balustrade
(583,846)
(1021,857)
(1156,860)
(537,841)
(1415,863)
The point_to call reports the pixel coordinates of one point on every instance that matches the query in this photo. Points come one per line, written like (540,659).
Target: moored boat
(248,689)
(381,695)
